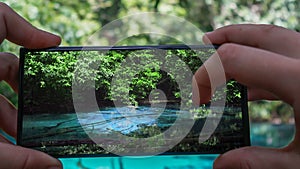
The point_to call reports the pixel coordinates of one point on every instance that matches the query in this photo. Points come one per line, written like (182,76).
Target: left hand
(15,29)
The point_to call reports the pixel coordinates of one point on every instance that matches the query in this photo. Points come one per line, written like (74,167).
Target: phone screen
(125,100)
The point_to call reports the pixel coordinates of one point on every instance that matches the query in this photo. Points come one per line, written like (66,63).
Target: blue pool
(262,134)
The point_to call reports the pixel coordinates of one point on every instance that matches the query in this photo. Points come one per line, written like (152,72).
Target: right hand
(266,59)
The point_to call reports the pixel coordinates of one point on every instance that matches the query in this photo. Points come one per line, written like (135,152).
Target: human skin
(266,59)
(15,29)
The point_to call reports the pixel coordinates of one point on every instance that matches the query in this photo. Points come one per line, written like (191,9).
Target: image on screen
(134,97)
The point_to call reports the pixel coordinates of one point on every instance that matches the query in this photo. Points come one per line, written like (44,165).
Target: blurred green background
(75,21)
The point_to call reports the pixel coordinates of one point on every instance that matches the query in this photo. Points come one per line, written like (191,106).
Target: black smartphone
(125,100)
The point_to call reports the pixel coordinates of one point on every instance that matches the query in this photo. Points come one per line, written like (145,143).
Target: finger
(206,93)
(17,30)
(207,78)
(254,68)
(268,37)
(9,69)
(257,158)
(18,157)
(201,87)
(259,94)
(4,140)
(8,117)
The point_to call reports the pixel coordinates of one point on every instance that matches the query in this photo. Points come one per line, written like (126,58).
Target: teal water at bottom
(156,162)
(262,134)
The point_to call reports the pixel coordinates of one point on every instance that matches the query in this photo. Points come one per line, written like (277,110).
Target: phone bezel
(23,51)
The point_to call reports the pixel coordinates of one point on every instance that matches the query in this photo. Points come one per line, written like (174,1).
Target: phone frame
(23,51)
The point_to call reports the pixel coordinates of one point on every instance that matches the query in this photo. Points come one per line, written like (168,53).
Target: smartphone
(125,100)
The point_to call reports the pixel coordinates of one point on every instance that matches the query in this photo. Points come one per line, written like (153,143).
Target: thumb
(22,158)
(258,158)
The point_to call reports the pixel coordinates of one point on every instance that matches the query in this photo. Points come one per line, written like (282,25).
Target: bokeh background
(75,21)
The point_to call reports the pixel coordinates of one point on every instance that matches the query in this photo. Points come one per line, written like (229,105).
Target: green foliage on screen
(53,72)
(75,21)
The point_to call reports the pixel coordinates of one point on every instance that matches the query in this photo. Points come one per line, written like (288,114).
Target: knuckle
(227,52)
(247,158)
(4,7)
(246,164)
(10,68)
(26,161)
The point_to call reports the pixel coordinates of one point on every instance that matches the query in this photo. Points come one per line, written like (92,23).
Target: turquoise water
(271,135)
(161,162)
(71,133)
(262,134)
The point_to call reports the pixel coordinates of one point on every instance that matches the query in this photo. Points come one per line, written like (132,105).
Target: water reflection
(262,134)
(271,135)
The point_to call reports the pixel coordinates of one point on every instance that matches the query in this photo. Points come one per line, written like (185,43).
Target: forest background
(75,21)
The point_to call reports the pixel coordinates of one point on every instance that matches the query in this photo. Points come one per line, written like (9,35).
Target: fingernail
(207,33)
(56,164)
(205,39)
